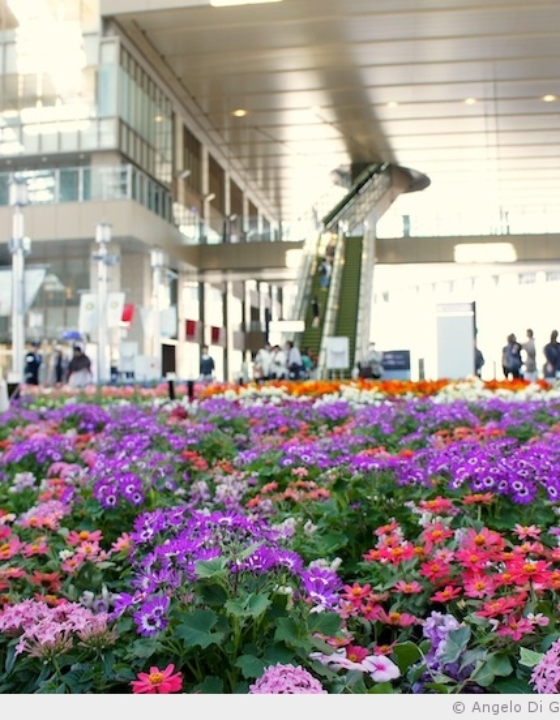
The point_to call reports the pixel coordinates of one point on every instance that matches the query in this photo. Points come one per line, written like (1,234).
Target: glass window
(69,185)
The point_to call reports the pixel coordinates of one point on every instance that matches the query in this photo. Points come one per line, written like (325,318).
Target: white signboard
(146,368)
(455,340)
(286,326)
(338,353)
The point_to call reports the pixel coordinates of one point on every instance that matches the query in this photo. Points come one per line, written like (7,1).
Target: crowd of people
(272,362)
(57,368)
(519,359)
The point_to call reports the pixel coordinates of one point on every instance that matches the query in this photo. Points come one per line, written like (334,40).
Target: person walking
(530,358)
(207,365)
(79,369)
(33,360)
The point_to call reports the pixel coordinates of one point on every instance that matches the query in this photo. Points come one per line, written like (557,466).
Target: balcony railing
(47,186)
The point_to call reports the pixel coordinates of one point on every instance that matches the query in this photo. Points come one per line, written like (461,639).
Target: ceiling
(450,88)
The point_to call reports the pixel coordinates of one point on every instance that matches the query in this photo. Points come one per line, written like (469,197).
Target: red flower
(158,681)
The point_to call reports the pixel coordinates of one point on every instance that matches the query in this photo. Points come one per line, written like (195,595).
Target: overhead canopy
(462,91)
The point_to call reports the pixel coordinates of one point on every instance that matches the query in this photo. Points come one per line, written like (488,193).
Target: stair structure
(348,300)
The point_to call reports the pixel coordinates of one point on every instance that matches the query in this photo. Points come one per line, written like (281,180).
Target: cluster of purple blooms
(169,543)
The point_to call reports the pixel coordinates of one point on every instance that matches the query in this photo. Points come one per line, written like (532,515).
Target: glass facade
(145,120)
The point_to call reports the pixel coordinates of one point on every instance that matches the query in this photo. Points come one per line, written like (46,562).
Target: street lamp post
(103,236)
(158,263)
(19,247)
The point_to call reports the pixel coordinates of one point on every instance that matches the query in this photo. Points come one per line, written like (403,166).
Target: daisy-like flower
(158,681)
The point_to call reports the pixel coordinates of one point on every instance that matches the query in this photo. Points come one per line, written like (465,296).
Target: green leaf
(529,658)
(406,654)
(196,629)
(513,685)
(500,665)
(145,647)
(257,605)
(486,671)
(275,654)
(211,685)
(455,644)
(287,631)
(212,594)
(327,624)
(210,568)
(384,688)
(251,666)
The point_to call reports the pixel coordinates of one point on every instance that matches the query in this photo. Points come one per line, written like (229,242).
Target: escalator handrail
(361,181)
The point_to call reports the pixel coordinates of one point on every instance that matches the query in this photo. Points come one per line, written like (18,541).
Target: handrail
(361,182)
(304,277)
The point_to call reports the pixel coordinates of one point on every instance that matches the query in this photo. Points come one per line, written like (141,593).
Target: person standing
(79,369)
(316,310)
(552,354)
(511,358)
(530,361)
(325,273)
(263,360)
(33,360)
(278,369)
(372,364)
(207,366)
(293,361)
(478,361)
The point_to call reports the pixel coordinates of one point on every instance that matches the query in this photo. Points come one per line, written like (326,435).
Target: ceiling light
(158,118)
(240,112)
(470,101)
(484,253)
(392,104)
(549,98)
(210,197)
(225,3)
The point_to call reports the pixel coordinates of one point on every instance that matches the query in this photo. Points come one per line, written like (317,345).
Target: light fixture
(470,101)
(158,118)
(240,112)
(392,104)
(484,253)
(233,218)
(226,3)
(210,197)
(549,98)
(184,174)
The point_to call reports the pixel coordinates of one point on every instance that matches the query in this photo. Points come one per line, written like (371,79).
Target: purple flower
(150,619)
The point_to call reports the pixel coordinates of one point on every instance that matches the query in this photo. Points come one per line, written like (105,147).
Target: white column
(103,233)
(19,247)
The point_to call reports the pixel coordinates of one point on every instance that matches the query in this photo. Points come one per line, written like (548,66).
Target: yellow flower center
(155,678)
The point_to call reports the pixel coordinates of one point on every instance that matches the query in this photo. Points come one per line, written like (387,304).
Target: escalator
(349,295)
(311,337)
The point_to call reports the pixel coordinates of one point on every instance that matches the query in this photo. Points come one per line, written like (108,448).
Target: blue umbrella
(71,335)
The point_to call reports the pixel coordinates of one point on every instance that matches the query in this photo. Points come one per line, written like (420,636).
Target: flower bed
(295,538)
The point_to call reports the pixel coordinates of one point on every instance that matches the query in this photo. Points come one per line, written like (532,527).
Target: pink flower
(380,668)
(158,681)
(286,680)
